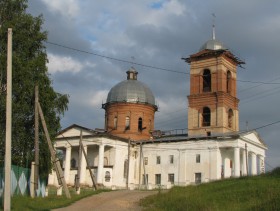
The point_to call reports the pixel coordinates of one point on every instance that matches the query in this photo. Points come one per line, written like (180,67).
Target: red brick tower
(213,102)
(130,109)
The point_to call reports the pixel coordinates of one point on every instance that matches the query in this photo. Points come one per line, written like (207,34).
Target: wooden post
(87,161)
(7,190)
(36,141)
(79,168)
(59,173)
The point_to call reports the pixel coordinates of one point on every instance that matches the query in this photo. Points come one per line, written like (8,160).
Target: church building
(130,153)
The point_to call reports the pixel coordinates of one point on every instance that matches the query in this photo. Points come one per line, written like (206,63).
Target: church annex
(129,153)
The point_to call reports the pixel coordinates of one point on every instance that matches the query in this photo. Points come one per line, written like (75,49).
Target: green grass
(246,193)
(50,202)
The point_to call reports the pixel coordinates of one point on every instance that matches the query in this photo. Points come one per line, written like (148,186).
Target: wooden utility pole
(128,161)
(36,141)
(87,161)
(7,190)
(55,160)
(79,168)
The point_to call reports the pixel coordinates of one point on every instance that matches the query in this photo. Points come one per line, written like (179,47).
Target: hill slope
(246,193)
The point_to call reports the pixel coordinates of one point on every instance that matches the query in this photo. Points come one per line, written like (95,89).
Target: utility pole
(36,144)
(87,161)
(7,191)
(59,173)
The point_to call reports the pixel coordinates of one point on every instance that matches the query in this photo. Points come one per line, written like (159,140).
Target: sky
(158,34)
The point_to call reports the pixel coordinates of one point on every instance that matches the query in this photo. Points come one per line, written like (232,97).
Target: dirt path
(123,200)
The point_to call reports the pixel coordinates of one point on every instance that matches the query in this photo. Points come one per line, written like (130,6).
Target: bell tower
(213,102)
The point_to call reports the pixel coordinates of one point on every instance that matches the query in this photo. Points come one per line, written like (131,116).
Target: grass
(51,202)
(246,193)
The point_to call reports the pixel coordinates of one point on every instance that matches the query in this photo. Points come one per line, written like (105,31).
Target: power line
(116,59)
(144,65)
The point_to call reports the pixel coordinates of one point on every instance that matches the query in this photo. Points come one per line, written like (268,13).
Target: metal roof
(131,91)
(213,44)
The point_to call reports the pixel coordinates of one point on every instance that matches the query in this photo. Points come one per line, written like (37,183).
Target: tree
(29,68)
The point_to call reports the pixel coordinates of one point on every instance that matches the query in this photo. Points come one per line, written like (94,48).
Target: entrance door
(197,178)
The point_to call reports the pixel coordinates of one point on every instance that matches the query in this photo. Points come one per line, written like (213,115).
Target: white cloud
(63,64)
(98,97)
(68,8)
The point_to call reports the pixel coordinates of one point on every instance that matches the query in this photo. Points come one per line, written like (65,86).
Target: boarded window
(197,159)
(171,159)
(158,159)
(197,178)
(158,179)
(171,178)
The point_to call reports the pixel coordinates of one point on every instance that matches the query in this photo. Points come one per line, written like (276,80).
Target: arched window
(206,117)
(230,118)
(73,163)
(206,81)
(140,124)
(115,122)
(228,81)
(127,123)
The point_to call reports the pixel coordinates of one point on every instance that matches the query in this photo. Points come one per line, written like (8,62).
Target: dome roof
(131,91)
(213,44)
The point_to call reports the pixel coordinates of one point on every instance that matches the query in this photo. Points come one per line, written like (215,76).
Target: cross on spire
(213,26)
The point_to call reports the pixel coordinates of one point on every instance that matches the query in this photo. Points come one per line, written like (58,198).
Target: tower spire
(213,26)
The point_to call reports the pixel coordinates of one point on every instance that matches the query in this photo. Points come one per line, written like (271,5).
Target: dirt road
(122,200)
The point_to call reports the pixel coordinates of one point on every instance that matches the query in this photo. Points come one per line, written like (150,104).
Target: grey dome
(131,91)
(213,44)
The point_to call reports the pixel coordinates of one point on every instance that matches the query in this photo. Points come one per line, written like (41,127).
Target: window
(197,159)
(230,118)
(115,122)
(206,81)
(158,179)
(140,127)
(73,163)
(171,178)
(146,160)
(127,123)
(197,178)
(171,159)
(158,159)
(206,117)
(143,179)
(228,81)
